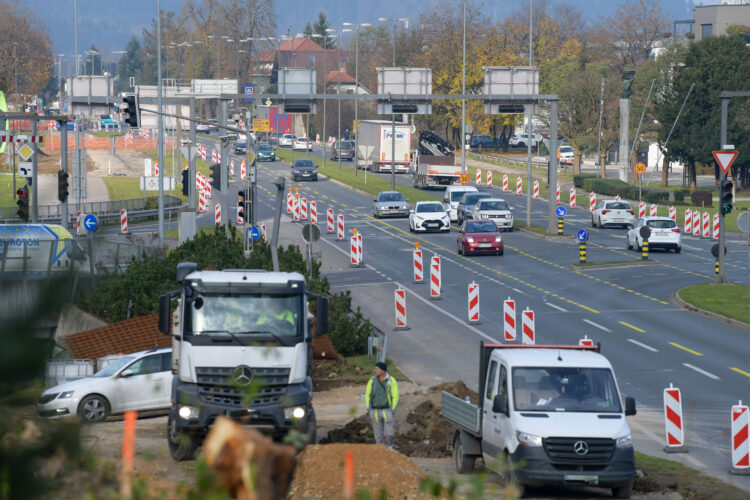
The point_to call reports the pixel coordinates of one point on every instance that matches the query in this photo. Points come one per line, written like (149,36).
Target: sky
(109,24)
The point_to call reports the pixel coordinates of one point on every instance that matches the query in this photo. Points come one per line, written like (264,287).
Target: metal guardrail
(105,210)
(512,161)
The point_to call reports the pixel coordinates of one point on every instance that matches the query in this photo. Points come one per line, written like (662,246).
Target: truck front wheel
(464,463)
(623,491)
(182,445)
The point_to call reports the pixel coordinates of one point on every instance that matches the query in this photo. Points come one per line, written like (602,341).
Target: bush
(347,329)
(701,198)
(578,179)
(614,187)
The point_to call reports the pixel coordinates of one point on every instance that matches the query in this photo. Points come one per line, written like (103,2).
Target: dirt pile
(320,472)
(420,430)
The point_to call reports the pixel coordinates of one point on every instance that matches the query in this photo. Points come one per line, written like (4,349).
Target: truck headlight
(65,395)
(625,441)
(485,216)
(297,413)
(188,412)
(528,439)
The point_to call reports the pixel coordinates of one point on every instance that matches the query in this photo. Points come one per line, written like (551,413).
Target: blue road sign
(248,89)
(252,233)
(582,235)
(560,211)
(90,223)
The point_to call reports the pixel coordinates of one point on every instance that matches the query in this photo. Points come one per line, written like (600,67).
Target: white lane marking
(556,307)
(702,372)
(640,344)
(597,325)
(519,291)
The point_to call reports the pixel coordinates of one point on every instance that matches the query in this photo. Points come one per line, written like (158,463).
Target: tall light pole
(405,20)
(356,90)
(325,88)
(160,140)
(338,88)
(531,116)
(307,120)
(463,91)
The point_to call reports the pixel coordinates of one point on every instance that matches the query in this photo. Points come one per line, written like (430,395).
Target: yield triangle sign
(725,159)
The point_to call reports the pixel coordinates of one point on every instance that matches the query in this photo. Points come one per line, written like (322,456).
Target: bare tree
(633,29)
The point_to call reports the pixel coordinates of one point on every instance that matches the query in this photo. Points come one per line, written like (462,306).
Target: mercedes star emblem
(242,375)
(581,447)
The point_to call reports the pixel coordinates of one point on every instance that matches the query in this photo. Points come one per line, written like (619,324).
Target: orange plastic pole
(349,476)
(128,451)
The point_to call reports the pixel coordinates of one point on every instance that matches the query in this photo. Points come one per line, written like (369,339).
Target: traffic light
(62,186)
(725,196)
(186,182)
(216,176)
(23,204)
(131,110)
(241,207)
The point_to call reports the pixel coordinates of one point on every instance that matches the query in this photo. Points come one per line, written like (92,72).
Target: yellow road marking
(686,349)
(633,327)
(742,372)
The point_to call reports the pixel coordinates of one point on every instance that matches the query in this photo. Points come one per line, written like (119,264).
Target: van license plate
(585,478)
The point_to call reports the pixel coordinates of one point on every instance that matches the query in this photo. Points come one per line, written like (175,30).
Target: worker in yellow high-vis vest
(382,399)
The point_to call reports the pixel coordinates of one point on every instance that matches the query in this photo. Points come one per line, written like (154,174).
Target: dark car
(304,169)
(266,152)
(346,150)
(479,236)
(482,141)
(467,203)
(240,148)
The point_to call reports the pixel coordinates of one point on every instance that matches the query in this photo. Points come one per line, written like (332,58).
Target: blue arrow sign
(582,235)
(252,233)
(90,223)
(560,211)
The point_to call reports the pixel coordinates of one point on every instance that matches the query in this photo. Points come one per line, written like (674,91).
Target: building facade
(713,20)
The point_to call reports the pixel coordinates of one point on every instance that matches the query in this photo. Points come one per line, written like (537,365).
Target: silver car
(138,381)
(390,203)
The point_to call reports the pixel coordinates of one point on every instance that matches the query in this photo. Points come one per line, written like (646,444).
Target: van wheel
(623,491)
(510,477)
(464,463)
(182,445)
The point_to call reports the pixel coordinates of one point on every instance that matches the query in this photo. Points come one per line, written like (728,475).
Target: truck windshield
(565,390)
(244,316)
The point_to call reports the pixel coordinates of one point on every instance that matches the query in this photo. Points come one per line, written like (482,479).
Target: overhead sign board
(725,159)
(261,125)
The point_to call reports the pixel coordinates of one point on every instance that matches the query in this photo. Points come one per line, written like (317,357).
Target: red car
(479,236)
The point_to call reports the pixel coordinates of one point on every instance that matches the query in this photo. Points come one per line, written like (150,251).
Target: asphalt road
(650,341)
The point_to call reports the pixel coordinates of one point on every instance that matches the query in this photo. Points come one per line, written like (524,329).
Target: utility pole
(463,91)
(531,116)
(160,140)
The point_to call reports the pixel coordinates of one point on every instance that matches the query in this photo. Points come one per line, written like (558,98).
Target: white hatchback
(287,140)
(429,216)
(612,213)
(664,234)
(302,144)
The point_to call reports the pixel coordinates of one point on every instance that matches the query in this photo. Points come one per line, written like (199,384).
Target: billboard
(279,122)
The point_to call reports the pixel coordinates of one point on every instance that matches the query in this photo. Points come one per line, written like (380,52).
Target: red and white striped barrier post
(360,250)
(313,212)
(641,210)
(329,219)
(505,182)
(697,223)
(231,167)
(706,225)
(297,202)
(217,214)
(740,442)
(528,327)
(716,226)
(652,210)
(289,202)
(353,249)
(417,264)
(473,303)
(218,156)
(78,224)
(340,228)
(263,232)
(557,194)
(208,189)
(489,178)
(156,169)
(673,420)
(400,307)
(213,156)
(519,185)
(673,213)
(592,201)
(479,177)
(202,200)
(572,197)
(536,190)
(688,221)
(509,319)
(243,170)
(203,153)
(123,221)
(435,277)
(303,209)
(586,342)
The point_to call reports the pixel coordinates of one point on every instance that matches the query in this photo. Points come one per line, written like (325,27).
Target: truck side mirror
(629,407)
(500,404)
(164,312)
(322,316)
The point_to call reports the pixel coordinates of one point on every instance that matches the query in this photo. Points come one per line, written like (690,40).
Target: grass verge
(727,299)
(537,229)
(6,190)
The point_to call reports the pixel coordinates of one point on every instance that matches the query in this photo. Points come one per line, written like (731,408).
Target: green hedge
(578,179)
(614,187)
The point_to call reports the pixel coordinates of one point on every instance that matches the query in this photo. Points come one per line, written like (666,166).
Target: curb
(678,301)
(593,267)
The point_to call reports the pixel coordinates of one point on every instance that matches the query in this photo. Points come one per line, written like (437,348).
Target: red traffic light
(22,193)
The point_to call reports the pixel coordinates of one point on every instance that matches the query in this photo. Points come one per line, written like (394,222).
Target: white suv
(664,234)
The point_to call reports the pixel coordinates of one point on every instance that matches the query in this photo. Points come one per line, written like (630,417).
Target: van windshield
(457,195)
(565,390)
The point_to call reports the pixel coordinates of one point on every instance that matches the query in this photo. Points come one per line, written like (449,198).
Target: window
(503,388)
(166,361)
(491,377)
(480,227)
(493,205)
(707,30)
(146,365)
(661,224)
(565,389)
(430,207)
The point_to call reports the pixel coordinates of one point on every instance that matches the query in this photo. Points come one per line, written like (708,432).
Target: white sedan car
(429,216)
(496,210)
(138,381)
(302,144)
(664,234)
(613,213)
(287,140)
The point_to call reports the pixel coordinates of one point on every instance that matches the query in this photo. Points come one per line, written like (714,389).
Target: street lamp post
(325,85)
(356,90)
(338,89)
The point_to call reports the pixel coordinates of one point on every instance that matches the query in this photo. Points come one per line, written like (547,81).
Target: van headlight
(297,413)
(528,439)
(625,441)
(188,412)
